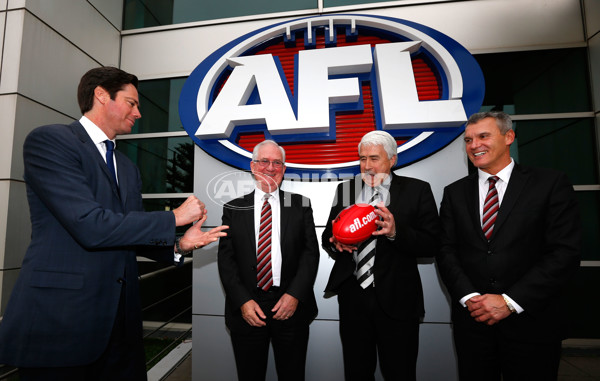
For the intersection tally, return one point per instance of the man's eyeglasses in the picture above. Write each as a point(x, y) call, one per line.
point(264, 163)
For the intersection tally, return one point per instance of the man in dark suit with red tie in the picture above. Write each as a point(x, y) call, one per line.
point(381, 305)
point(268, 265)
point(75, 312)
point(511, 241)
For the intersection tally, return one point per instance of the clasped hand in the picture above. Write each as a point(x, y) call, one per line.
point(488, 308)
point(284, 309)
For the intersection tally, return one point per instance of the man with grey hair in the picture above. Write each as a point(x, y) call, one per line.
point(510, 243)
point(378, 285)
point(268, 265)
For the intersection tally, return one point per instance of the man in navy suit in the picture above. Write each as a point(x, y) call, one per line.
point(511, 241)
point(75, 313)
point(268, 281)
point(381, 305)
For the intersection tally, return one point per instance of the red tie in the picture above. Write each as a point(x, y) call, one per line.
point(490, 208)
point(264, 277)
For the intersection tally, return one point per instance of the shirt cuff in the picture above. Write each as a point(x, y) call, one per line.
point(464, 299)
point(514, 304)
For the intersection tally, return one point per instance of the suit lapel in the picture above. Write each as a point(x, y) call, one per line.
point(472, 201)
point(247, 217)
point(284, 214)
point(93, 153)
point(516, 184)
point(394, 193)
point(124, 178)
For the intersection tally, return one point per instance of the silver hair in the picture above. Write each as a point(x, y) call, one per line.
point(381, 138)
point(503, 120)
point(268, 141)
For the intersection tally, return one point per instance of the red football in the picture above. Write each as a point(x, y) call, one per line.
point(355, 224)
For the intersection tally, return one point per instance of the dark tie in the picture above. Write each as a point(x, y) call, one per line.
point(490, 208)
point(264, 276)
point(366, 255)
point(110, 149)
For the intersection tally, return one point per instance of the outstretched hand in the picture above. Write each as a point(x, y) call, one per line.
point(195, 238)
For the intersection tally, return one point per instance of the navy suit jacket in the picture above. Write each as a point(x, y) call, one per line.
point(533, 251)
point(299, 254)
point(397, 281)
point(85, 237)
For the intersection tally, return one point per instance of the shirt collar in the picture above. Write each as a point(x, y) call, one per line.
point(259, 194)
point(504, 174)
point(96, 134)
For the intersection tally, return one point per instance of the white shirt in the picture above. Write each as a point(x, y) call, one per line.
point(501, 185)
point(98, 137)
point(275, 230)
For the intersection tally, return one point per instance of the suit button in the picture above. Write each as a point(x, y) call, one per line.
point(121, 280)
point(490, 252)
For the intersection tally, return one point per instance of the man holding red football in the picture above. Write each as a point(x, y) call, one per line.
point(377, 281)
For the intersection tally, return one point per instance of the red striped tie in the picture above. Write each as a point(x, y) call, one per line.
point(264, 277)
point(490, 208)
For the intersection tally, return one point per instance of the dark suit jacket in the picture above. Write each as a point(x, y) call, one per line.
point(397, 281)
point(299, 251)
point(82, 251)
point(533, 251)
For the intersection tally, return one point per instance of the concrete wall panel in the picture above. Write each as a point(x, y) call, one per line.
point(88, 30)
point(30, 115)
point(8, 107)
point(111, 9)
point(11, 53)
point(51, 67)
point(592, 16)
point(499, 25)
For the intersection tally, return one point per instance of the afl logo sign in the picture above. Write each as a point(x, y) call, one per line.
point(316, 85)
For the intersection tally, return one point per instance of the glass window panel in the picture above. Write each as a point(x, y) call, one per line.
point(159, 105)
point(166, 164)
point(589, 204)
point(536, 82)
point(146, 13)
point(564, 144)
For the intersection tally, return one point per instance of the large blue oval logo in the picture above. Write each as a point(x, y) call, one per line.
point(316, 85)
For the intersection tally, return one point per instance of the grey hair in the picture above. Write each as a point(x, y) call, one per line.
point(381, 138)
point(503, 120)
point(268, 141)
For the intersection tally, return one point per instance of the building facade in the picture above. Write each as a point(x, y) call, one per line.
point(540, 60)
